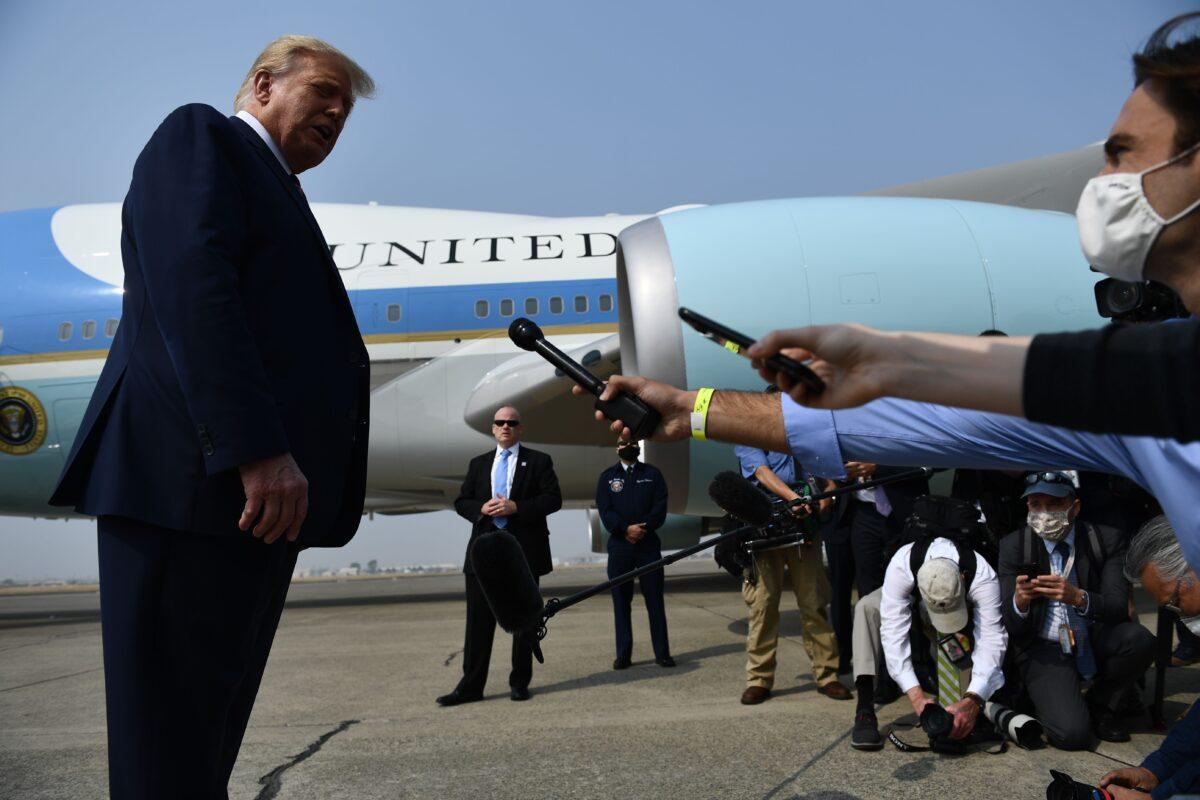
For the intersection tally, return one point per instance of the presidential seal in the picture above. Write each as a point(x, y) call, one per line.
point(616, 484)
point(22, 421)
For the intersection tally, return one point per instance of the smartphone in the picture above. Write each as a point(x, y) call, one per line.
point(738, 343)
point(1030, 570)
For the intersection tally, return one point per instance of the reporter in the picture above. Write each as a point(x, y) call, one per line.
point(1137, 221)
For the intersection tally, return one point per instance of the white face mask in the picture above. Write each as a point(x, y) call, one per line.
point(1118, 226)
point(1050, 525)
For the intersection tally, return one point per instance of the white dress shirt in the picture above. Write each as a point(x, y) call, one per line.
point(513, 457)
point(253, 122)
point(896, 610)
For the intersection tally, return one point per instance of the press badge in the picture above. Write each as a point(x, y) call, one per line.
point(1066, 640)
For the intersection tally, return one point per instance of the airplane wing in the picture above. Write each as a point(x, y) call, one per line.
point(1051, 183)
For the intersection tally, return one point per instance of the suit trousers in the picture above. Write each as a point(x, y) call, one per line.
point(477, 648)
point(871, 534)
point(811, 587)
point(840, 555)
point(1123, 653)
point(622, 561)
point(187, 623)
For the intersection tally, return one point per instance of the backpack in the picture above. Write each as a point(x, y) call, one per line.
point(936, 517)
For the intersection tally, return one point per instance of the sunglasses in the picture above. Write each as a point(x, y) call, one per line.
point(506, 423)
point(1048, 477)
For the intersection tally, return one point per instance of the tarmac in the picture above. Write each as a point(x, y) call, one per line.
point(347, 708)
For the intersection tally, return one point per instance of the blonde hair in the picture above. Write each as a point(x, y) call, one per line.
point(279, 56)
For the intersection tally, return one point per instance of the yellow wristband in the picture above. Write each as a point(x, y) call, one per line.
point(700, 413)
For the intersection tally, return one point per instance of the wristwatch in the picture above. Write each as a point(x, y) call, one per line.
point(1083, 600)
point(975, 698)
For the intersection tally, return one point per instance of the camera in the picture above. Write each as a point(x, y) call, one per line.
point(1064, 787)
point(783, 529)
point(936, 721)
point(1141, 301)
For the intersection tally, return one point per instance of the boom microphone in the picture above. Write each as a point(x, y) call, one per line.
point(740, 498)
point(640, 418)
point(508, 585)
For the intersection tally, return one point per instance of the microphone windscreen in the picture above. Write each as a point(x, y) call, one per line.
point(507, 582)
point(524, 333)
point(740, 497)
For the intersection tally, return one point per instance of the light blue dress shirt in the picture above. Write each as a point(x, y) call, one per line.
point(751, 458)
point(898, 432)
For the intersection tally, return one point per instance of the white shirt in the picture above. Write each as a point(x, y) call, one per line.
point(253, 122)
point(513, 457)
point(895, 610)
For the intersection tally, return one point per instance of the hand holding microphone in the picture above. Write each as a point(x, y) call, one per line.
point(635, 416)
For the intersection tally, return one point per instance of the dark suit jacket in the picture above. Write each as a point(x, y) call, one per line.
point(901, 494)
point(534, 490)
point(641, 497)
point(237, 342)
point(1104, 582)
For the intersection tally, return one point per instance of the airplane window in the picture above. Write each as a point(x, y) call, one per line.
point(481, 308)
point(506, 307)
point(110, 328)
point(64, 331)
point(531, 306)
point(581, 304)
point(88, 329)
point(606, 302)
point(393, 312)
point(556, 305)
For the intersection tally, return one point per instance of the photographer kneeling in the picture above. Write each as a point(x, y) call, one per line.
point(1174, 768)
point(957, 596)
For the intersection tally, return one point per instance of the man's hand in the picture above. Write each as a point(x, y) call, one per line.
point(801, 510)
point(276, 496)
point(635, 533)
point(675, 406)
point(919, 699)
point(498, 507)
point(859, 469)
point(1121, 793)
point(1056, 587)
point(965, 712)
point(1130, 778)
point(1024, 594)
point(851, 359)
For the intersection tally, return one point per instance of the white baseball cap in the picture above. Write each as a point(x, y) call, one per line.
point(943, 593)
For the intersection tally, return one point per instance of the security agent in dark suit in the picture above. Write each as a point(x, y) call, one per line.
point(632, 500)
point(511, 488)
point(1070, 622)
point(228, 428)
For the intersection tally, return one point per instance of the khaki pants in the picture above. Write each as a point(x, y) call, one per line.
point(811, 587)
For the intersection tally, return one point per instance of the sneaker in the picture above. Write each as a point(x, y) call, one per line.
point(866, 732)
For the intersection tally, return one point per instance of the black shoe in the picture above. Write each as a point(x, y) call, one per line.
point(667, 661)
point(866, 732)
point(457, 698)
point(520, 693)
point(1110, 728)
point(621, 663)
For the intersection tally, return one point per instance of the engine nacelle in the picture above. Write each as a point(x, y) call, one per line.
point(892, 263)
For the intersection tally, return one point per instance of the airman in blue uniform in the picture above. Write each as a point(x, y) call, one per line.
point(632, 500)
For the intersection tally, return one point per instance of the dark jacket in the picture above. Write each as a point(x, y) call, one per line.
point(1108, 591)
point(1139, 380)
point(237, 342)
point(626, 498)
point(1176, 763)
point(534, 490)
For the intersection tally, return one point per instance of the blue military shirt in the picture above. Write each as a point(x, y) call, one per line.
point(626, 497)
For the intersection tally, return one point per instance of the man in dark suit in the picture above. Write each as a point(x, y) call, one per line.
point(511, 488)
point(228, 429)
point(1065, 602)
point(631, 498)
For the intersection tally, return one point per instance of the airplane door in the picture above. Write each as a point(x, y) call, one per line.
point(380, 300)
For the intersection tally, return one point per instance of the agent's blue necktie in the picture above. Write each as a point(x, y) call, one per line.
point(500, 486)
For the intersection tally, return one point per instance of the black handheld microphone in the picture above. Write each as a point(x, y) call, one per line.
point(640, 418)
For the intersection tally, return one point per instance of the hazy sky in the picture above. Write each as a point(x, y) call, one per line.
point(564, 108)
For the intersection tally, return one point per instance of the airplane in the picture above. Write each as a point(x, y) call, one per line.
point(434, 291)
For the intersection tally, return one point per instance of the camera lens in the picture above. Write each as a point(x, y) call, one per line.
point(1121, 297)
